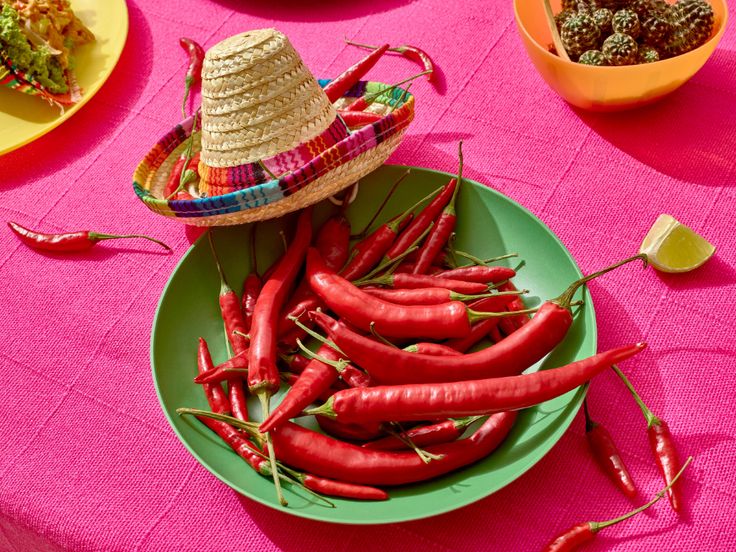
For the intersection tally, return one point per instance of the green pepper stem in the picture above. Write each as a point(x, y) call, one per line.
point(401, 435)
point(462, 423)
point(323, 410)
point(224, 287)
point(265, 400)
point(99, 237)
point(389, 265)
point(648, 414)
point(596, 526)
point(315, 335)
point(395, 224)
point(589, 423)
point(338, 365)
point(187, 175)
point(379, 337)
point(465, 298)
point(381, 207)
point(475, 316)
point(396, 49)
point(369, 98)
point(483, 262)
point(241, 334)
point(564, 299)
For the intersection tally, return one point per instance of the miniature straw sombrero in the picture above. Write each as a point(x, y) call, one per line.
point(265, 115)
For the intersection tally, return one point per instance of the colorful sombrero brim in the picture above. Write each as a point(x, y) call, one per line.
point(338, 167)
point(12, 77)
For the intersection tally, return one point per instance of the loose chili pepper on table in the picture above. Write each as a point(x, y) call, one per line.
point(327, 457)
point(662, 444)
point(421, 401)
point(409, 52)
point(263, 375)
point(70, 242)
point(194, 71)
point(350, 77)
point(583, 533)
point(606, 454)
point(512, 355)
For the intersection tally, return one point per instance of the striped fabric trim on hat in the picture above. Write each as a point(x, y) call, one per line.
point(355, 144)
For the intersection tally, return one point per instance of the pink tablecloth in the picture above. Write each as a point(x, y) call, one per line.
point(87, 460)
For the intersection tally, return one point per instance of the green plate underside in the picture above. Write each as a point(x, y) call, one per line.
point(489, 224)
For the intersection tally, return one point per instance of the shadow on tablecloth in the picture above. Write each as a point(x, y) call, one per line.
point(96, 120)
point(689, 135)
point(325, 10)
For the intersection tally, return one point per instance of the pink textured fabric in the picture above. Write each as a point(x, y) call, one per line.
point(87, 460)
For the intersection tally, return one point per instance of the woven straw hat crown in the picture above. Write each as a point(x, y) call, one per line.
point(258, 100)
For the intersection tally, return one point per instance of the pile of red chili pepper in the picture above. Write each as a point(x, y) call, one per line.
point(397, 395)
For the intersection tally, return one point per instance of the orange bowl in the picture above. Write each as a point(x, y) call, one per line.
point(609, 88)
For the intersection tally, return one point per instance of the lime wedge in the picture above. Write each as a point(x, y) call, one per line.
point(674, 247)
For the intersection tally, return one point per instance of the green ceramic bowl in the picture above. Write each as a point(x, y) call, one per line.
point(489, 224)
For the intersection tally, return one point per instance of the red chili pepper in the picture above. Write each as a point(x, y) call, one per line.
point(291, 379)
point(368, 252)
point(607, 456)
point(354, 119)
point(172, 184)
point(215, 395)
point(316, 378)
point(421, 222)
point(409, 52)
point(263, 378)
point(232, 316)
point(336, 89)
point(481, 274)
point(479, 330)
point(369, 313)
point(238, 443)
point(70, 241)
point(220, 372)
point(421, 401)
point(512, 323)
point(510, 356)
point(432, 296)
point(419, 281)
point(194, 71)
point(582, 533)
point(349, 432)
point(331, 487)
point(428, 348)
point(494, 335)
point(662, 445)
point(252, 284)
point(443, 228)
point(424, 436)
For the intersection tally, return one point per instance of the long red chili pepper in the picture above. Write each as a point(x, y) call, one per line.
point(368, 252)
point(662, 444)
point(328, 457)
point(409, 52)
point(443, 228)
point(433, 296)
point(349, 432)
point(263, 374)
point(233, 367)
point(421, 222)
point(350, 77)
point(235, 328)
point(512, 323)
point(369, 313)
point(428, 348)
point(353, 119)
point(316, 378)
point(252, 283)
point(194, 71)
point(482, 274)
point(418, 281)
point(215, 395)
point(330, 487)
point(583, 533)
point(421, 401)
point(424, 436)
point(606, 454)
point(70, 241)
point(512, 355)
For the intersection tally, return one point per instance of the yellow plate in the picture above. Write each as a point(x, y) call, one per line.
point(24, 118)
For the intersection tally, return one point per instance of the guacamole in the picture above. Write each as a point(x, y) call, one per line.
point(36, 62)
